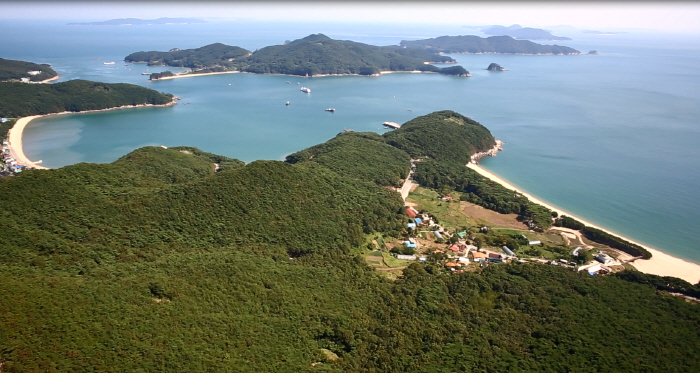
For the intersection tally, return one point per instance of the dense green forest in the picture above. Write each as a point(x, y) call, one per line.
point(492, 44)
point(362, 155)
point(313, 55)
point(443, 135)
point(216, 54)
point(156, 262)
point(15, 70)
point(20, 99)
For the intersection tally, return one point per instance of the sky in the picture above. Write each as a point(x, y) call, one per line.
point(677, 16)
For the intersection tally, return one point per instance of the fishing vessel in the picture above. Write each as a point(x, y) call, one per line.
point(305, 90)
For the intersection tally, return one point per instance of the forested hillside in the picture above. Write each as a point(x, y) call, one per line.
point(20, 99)
point(443, 135)
point(16, 70)
point(364, 156)
point(313, 55)
point(491, 44)
point(319, 54)
point(156, 262)
point(216, 54)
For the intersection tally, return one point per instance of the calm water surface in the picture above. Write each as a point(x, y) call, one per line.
point(611, 138)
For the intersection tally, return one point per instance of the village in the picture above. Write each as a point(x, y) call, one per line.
point(467, 243)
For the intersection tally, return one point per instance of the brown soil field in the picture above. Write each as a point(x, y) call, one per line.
point(492, 218)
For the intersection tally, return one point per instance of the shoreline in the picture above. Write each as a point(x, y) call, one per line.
point(14, 136)
point(177, 76)
point(661, 263)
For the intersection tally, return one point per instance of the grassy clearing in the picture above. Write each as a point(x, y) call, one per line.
point(449, 214)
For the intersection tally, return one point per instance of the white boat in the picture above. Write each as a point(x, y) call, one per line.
point(145, 73)
point(108, 63)
point(332, 110)
point(287, 103)
point(305, 90)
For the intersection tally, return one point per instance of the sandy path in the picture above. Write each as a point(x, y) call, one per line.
point(661, 264)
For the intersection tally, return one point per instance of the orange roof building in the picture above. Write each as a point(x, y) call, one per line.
point(479, 255)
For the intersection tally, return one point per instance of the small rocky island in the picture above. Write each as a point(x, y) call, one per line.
point(496, 67)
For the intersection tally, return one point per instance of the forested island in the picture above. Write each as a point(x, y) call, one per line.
point(160, 261)
point(19, 99)
point(493, 44)
point(519, 32)
point(13, 70)
point(313, 55)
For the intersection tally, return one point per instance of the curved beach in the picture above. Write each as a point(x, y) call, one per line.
point(15, 140)
point(661, 264)
point(15, 133)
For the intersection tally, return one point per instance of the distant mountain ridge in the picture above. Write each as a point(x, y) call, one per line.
point(138, 21)
point(519, 32)
point(492, 44)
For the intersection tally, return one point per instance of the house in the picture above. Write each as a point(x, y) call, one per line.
point(411, 225)
point(422, 259)
point(604, 258)
point(534, 243)
point(406, 257)
point(410, 244)
point(463, 259)
point(454, 248)
point(478, 255)
point(452, 265)
point(411, 213)
point(418, 220)
point(495, 260)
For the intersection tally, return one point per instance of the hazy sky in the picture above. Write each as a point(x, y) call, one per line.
point(674, 16)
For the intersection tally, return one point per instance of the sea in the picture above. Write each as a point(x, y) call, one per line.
point(612, 137)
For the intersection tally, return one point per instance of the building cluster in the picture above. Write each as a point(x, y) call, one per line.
point(460, 249)
point(9, 165)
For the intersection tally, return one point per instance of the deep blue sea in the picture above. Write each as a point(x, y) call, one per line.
point(612, 138)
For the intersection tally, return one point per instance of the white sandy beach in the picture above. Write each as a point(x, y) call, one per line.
point(15, 133)
point(177, 76)
point(15, 140)
point(661, 264)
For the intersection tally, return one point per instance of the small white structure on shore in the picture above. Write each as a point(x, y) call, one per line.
point(406, 257)
point(604, 258)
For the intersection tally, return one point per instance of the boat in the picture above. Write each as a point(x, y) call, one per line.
point(392, 125)
point(287, 103)
point(332, 110)
point(108, 63)
point(145, 73)
point(305, 90)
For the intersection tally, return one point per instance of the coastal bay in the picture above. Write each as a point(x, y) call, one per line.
point(588, 115)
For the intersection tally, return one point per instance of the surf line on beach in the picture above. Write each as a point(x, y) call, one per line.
point(15, 133)
point(660, 263)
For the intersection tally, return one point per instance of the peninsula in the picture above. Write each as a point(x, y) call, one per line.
point(28, 72)
point(174, 259)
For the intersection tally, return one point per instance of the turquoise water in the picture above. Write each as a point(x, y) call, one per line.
point(611, 138)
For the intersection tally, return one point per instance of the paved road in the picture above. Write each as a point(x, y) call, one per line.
point(408, 183)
